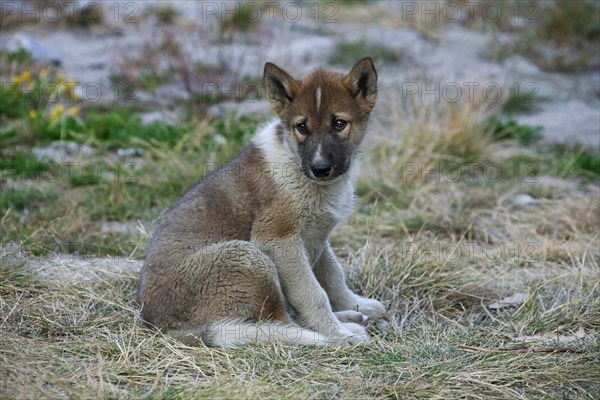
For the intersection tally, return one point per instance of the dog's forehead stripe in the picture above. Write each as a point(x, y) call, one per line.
point(318, 97)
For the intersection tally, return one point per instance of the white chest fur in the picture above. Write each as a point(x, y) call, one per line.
point(320, 206)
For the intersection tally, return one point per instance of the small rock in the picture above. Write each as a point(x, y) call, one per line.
point(583, 122)
point(260, 107)
point(125, 228)
point(510, 301)
point(522, 200)
point(158, 116)
point(219, 139)
point(63, 150)
point(128, 152)
point(521, 65)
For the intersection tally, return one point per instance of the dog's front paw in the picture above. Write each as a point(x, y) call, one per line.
point(370, 307)
point(357, 334)
point(355, 329)
point(348, 334)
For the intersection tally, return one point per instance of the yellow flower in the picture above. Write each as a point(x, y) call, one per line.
point(44, 72)
point(74, 111)
point(32, 114)
point(57, 112)
point(26, 76)
point(69, 89)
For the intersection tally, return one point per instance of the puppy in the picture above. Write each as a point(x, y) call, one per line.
point(248, 244)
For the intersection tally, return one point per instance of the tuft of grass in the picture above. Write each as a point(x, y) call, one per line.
point(508, 128)
point(520, 102)
point(166, 70)
point(241, 20)
point(426, 139)
point(558, 36)
point(19, 199)
point(22, 165)
point(576, 159)
point(346, 53)
point(567, 23)
point(165, 13)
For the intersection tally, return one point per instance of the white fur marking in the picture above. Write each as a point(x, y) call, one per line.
point(266, 139)
point(318, 97)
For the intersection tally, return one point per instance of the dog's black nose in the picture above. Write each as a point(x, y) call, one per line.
point(321, 169)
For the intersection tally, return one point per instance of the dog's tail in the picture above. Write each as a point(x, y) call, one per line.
point(236, 332)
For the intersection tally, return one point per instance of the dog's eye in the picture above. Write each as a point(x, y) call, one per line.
point(339, 124)
point(301, 128)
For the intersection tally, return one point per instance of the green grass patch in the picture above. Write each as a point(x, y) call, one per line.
point(503, 128)
point(522, 100)
point(174, 158)
point(560, 160)
point(575, 160)
point(111, 130)
point(347, 53)
point(30, 197)
point(120, 129)
point(23, 166)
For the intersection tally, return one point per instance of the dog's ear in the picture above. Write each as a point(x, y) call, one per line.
point(361, 82)
point(281, 87)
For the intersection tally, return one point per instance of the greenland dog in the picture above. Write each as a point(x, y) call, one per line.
point(244, 255)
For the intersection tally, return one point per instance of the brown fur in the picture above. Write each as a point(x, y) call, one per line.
point(211, 213)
